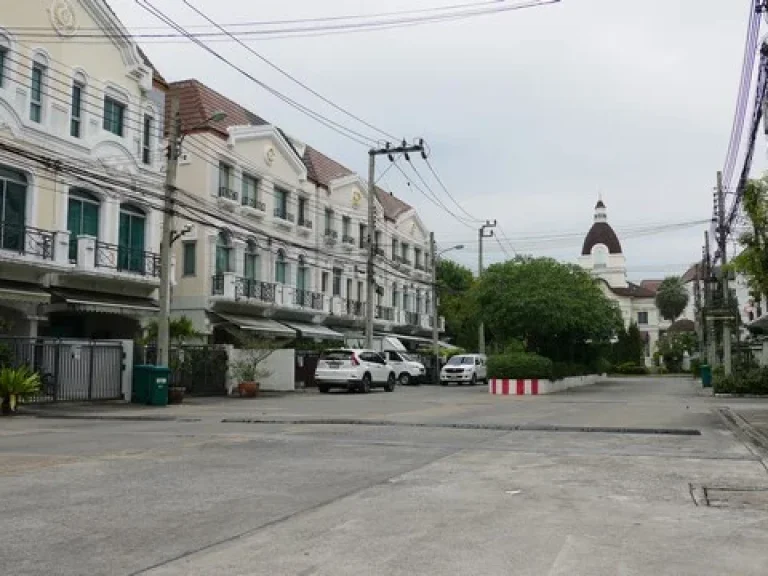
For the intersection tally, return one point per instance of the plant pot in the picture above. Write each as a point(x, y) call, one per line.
point(176, 394)
point(248, 389)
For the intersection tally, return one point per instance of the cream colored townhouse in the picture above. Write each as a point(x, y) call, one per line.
point(81, 173)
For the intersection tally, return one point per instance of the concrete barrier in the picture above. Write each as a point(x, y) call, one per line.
point(535, 387)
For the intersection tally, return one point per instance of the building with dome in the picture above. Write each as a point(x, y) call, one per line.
point(602, 255)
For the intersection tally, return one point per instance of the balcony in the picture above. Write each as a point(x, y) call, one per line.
point(412, 318)
point(330, 236)
point(25, 243)
point(347, 239)
point(307, 299)
point(253, 206)
point(385, 313)
point(354, 308)
point(127, 260)
point(228, 198)
point(420, 266)
point(404, 261)
point(379, 251)
point(284, 218)
point(305, 226)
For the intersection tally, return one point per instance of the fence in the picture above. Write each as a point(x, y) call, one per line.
point(69, 369)
point(200, 370)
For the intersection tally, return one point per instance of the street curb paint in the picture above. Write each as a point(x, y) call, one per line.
point(536, 387)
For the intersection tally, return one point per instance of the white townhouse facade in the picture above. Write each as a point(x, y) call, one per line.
point(275, 234)
point(81, 170)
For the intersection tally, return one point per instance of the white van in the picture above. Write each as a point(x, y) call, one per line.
point(408, 369)
point(465, 369)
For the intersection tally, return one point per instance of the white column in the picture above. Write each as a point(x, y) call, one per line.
point(86, 252)
point(110, 219)
point(62, 207)
point(238, 248)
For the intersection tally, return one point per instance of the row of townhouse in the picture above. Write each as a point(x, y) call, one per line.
point(270, 234)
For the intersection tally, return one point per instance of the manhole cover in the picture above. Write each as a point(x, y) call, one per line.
point(735, 497)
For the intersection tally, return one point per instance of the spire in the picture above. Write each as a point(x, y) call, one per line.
point(600, 213)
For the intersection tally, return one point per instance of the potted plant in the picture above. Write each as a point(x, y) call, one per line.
point(16, 384)
point(248, 374)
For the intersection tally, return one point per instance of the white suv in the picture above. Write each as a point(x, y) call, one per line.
point(408, 371)
point(353, 369)
point(465, 368)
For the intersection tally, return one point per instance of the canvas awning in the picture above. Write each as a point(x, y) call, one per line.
point(263, 326)
point(315, 331)
point(23, 292)
point(85, 301)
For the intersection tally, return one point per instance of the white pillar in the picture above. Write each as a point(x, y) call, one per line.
point(238, 248)
point(110, 219)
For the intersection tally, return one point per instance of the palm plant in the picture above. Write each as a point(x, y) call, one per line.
point(16, 384)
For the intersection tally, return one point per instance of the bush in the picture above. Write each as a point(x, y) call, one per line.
point(562, 370)
point(603, 366)
point(515, 366)
point(630, 368)
point(696, 367)
point(753, 381)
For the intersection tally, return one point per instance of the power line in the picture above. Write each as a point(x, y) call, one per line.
point(445, 189)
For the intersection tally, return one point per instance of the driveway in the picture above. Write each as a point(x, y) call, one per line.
point(633, 476)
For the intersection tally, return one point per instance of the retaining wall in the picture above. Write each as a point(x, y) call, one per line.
point(535, 387)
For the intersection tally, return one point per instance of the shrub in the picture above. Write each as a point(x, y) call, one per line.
point(603, 366)
point(514, 366)
point(695, 367)
point(562, 370)
point(630, 368)
point(16, 384)
point(753, 381)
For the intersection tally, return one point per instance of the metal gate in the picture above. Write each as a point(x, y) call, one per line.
point(306, 364)
point(200, 369)
point(69, 369)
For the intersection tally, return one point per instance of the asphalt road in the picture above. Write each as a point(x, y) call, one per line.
point(427, 481)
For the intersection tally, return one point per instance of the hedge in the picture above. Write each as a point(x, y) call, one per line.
point(754, 381)
point(630, 368)
point(514, 366)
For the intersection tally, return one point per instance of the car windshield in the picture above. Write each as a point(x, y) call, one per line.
point(407, 357)
point(459, 360)
point(336, 355)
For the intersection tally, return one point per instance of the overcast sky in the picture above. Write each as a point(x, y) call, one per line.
point(529, 114)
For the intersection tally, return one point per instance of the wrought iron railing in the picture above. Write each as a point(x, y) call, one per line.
point(419, 266)
point(354, 308)
point(228, 193)
point(331, 234)
point(307, 299)
point(412, 318)
point(305, 223)
point(385, 313)
point(405, 261)
point(347, 239)
point(379, 251)
point(283, 215)
point(254, 203)
point(126, 259)
point(217, 284)
point(254, 289)
point(26, 240)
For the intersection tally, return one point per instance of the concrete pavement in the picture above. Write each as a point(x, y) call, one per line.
point(202, 496)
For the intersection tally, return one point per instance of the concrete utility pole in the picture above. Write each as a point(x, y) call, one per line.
point(481, 234)
point(709, 323)
point(435, 331)
point(722, 239)
point(163, 328)
point(404, 148)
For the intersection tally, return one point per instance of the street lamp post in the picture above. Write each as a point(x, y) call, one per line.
point(435, 331)
point(174, 149)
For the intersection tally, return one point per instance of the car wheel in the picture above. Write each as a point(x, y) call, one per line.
point(390, 387)
point(474, 380)
point(323, 389)
point(365, 384)
point(405, 379)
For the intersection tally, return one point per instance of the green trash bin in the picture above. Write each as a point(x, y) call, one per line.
point(150, 385)
point(706, 375)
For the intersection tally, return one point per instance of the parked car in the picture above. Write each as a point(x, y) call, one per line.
point(465, 368)
point(354, 369)
point(408, 370)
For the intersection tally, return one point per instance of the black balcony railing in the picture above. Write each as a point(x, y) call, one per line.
point(347, 239)
point(255, 289)
point(331, 234)
point(126, 259)
point(385, 313)
point(412, 318)
point(217, 284)
point(283, 215)
point(254, 203)
point(419, 266)
point(26, 240)
point(307, 299)
point(405, 261)
point(228, 193)
point(379, 251)
point(354, 308)
point(305, 223)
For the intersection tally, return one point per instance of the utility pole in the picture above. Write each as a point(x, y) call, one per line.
point(482, 234)
point(709, 322)
point(435, 332)
point(404, 148)
point(722, 237)
point(163, 335)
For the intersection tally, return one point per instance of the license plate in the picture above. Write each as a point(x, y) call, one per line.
point(334, 365)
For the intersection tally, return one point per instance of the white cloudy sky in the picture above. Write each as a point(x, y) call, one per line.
point(529, 114)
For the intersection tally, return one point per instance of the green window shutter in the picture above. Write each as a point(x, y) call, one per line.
point(74, 218)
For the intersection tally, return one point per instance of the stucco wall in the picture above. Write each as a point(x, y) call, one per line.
point(281, 364)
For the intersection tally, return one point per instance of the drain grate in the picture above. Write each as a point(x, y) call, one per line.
point(733, 497)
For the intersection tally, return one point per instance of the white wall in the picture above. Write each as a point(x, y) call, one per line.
point(281, 364)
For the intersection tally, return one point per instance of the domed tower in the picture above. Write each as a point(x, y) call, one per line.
point(601, 252)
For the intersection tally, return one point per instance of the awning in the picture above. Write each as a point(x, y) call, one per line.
point(85, 301)
point(315, 331)
point(23, 292)
point(405, 338)
point(261, 325)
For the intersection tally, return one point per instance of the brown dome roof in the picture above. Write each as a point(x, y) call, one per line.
point(601, 233)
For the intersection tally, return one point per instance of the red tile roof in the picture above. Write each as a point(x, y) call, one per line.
point(652, 285)
point(633, 291)
point(321, 169)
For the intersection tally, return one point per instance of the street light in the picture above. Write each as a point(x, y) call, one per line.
point(435, 335)
point(174, 149)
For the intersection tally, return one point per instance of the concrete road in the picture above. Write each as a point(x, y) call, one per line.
point(666, 490)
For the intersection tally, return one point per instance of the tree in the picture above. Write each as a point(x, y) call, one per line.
point(555, 309)
point(179, 329)
point(671, 298)
point(454, 283)
point(673, 346)
point(752, 261)
point(629, 347)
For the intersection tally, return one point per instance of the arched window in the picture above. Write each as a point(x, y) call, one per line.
point(13, 207)
point(82, 217)
point(37, 87)
point(252, 268)
point(223, 253)
point(301, 275)
point(130, 253)
point(281, 268)
point(76, 108)
point(600, 256)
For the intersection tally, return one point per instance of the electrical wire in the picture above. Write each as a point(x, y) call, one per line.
point(448, 193)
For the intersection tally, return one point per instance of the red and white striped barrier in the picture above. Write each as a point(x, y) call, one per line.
point(535, 387)
point(507, 387)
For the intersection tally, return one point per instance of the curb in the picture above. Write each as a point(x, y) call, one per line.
point(745, 431)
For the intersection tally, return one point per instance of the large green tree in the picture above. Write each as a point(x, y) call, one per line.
point(454, 283)
point(671, 298)
point(554, 308)
point(752, 261)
